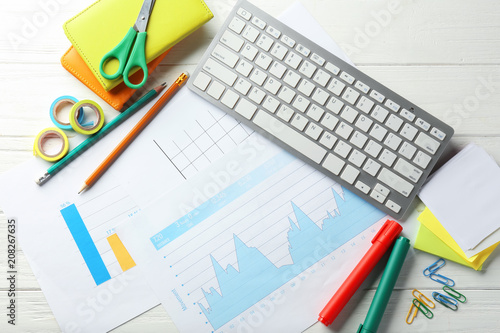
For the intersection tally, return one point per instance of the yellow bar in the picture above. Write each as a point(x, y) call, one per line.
point(124, 259)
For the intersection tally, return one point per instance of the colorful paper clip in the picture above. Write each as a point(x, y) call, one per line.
point(423, 299)
point(455, 294)
point(413, 313)
point(434, 267)
point(447, 301)
point(425, 310)
point(442, 279)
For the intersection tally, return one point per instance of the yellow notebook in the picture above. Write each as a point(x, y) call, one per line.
point(100, 27)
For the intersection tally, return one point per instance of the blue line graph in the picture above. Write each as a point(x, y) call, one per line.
point(257, 276)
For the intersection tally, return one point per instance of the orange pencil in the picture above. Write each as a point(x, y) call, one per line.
point(101, 169)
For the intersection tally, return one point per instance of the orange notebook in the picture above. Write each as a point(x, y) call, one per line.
point(116, 97)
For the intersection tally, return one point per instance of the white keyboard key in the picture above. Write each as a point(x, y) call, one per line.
point(257, 95)
point(364, 123)
point(265, 42)
point(317, 59)
point(387, 157)
point(272, 85)
point(303, 50)
point(357, 158)
point(271, 104)
point(349, 114)
point(273, 32)
point(294, 139)
point(242, 86)
point(219, 71)
point(243, 13)
point(408, 170)
point(307, 69)
point(258, 77)
point(250, 33)
point(336, 87)
point(320, 96)
point(373, 148)
point(292, 78)
point(334, 105)
point(407, 150)
point(286, 94)
point(258, 22)
point(409, 132)
point(362, 187)
point(285, 113)
point(350, 95)
point(362, 86)
point(358, 139)
point(225, 56)
point(314, 131)
point(378, 196)
point(332, 68)
point(344, 130)
point(328, 140)
point(329, 121)
point(407, 115)
point(288, 41)
point(382, 190)
point(293, 60)
point(301, 103)
point(236, 25)
point(423, 124)
point(249, 52)
point(346, 77)
point(202, 81)
point(394, 122)
point(365, 104)
point(393, 141)
point(427, 143)
point(230, 98)
point(315, 112)
point(422, 159)
point(396, 182)
point(306, 87)
point(245, 108)
point(342, 149)
point(371, 167)
point(379, 113)
point(377, 96)
point(321, 77)
point(334, 164)
point(244, 68)
point(216, 89)
point(378, 132)
point(299, 122)
point(438, 133)
point(350, 174)
point(263, 61)
point(393, 206)
point(279, 51)
point(231, 40)
point(277, 69)
point(392, 105)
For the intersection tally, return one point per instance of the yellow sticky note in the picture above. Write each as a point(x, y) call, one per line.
point(434, 238)
point(124, 259)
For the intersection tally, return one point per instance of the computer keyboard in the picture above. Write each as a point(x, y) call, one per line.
point(321, 109)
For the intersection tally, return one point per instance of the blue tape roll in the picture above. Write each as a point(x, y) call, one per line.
point(55, 107)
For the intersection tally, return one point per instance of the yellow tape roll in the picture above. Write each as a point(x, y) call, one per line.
point(87, 130)
point(51, 133)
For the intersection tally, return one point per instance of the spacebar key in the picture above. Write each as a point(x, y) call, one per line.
point(286, 134)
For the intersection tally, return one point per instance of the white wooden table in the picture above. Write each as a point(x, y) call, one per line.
point(443, 55)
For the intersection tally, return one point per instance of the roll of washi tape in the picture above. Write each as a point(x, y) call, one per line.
point(41, 139)
point(56, 108)
point(96, 125)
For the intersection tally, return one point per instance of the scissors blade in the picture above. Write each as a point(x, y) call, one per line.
point(142, 20)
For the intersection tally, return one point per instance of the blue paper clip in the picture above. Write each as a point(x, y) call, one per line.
point(434, 267)
point(445, 300)
point(455, 294)
point(442, 279)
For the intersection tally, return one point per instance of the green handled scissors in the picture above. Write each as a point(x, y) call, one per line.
point(130, 57)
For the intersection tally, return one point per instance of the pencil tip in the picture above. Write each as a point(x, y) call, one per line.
point(83, 189)
point(160, 87)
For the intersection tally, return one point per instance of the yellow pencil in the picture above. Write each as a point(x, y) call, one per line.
point(145, 120)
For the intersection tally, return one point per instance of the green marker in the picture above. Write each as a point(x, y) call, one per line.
point(99, 135)
point(385, 287)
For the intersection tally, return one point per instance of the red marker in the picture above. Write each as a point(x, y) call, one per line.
point(381, 243)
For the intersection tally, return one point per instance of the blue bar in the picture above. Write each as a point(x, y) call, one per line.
point(85, 244)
